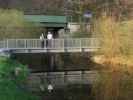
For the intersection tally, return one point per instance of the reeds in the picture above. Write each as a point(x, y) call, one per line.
point(115, 80)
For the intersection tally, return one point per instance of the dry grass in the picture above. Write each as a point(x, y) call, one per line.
point(115, 81)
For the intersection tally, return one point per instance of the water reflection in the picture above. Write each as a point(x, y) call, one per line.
point(70, 92)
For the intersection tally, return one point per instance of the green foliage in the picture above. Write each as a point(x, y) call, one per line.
point(13, 25)
point(12, 82)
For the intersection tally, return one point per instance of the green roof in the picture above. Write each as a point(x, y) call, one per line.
point(52, 24)
point(46, 19)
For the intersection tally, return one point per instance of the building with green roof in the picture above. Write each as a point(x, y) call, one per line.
point(50, 23)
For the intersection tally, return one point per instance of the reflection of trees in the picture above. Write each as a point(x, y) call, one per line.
point(77, 61)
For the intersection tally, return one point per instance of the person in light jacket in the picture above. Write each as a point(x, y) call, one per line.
point(49, 39)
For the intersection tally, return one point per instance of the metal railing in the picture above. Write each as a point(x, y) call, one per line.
point(70, 43)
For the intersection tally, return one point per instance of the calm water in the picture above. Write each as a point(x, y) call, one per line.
point(71, 92)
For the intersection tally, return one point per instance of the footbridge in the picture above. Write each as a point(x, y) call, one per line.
point(54, 45)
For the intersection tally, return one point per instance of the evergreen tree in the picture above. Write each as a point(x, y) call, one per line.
point(12, 78)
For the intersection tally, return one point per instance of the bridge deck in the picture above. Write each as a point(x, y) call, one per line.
point(54, 45)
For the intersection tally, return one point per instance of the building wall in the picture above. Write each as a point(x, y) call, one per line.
point(75, 27)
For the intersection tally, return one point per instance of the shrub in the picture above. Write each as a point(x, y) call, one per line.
point(13, 25)
point(12, 78)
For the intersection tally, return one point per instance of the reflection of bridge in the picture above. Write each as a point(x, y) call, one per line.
point(59, 79)
point(55, 45)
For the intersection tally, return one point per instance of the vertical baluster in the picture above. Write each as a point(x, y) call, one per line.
point(16, 42)
point(71, 43)
point(30, 46)
point(25, 45)
point(86, 43)
point(74, 43)
point(93, 42)
point(45, 43)
point(73, 46)
point(7, 44)
point(35, 43)
point(30, 43)
point(52, 43)
point(60, 43)
point(63, 44)
point(68, 43)
point(1, 44)
point(80, 44)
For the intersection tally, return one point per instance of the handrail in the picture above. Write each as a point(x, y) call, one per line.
point(67, 43)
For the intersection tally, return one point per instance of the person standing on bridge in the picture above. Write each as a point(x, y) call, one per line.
point(49, 39)
point(42, 40)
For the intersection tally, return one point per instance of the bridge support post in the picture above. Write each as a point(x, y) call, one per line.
point(52, 62)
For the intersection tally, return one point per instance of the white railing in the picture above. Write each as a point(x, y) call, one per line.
point(70, 43)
